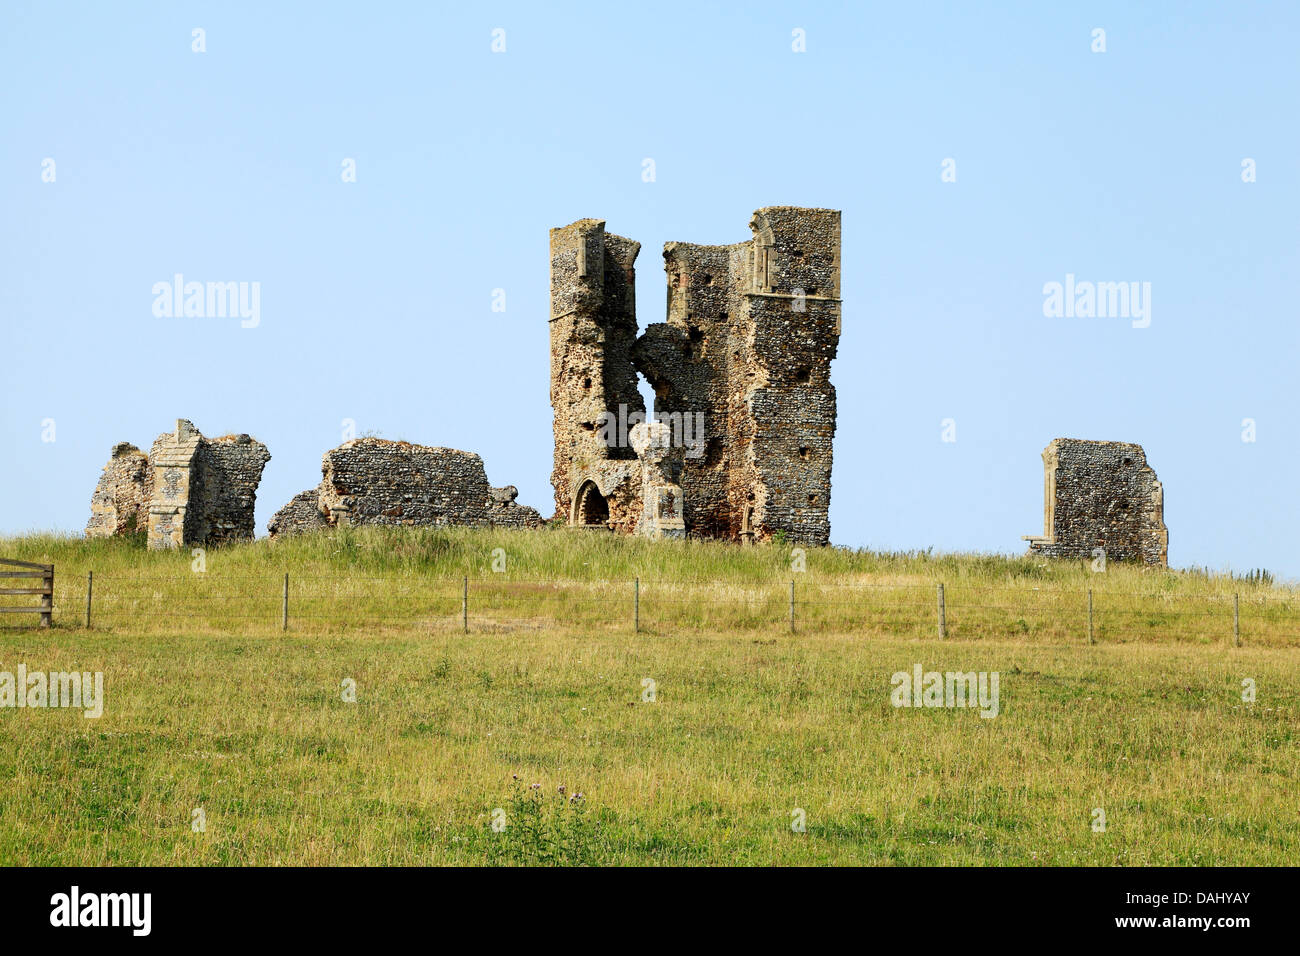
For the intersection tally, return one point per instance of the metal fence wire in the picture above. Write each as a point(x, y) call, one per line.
point(350, 600)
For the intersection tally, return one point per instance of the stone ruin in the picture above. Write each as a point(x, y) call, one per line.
point(189, 489)
point(372, 481)
point(120, 504)
point(740, 371)
point(738, 446)
point(1101, 494)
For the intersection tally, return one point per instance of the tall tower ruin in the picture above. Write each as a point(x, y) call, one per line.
point(751, 332)
point(742, 362)
point(593, 328)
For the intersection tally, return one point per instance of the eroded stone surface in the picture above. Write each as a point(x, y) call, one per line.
point(302, 513)
point(662, 514)
point(120, 504)
point(746, 349)
point(189, 490)
point(1101, 494)
point(373, 481)
point(204, 490)
point(592, 330)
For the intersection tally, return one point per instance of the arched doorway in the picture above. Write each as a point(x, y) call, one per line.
point(590, 509)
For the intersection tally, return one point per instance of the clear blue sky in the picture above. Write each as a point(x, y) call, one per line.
point(376, 295)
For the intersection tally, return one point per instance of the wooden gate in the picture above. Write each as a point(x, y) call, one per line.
point(46, 591)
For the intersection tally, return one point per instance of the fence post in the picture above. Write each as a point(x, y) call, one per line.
point(636, 605)
point(47, 599)
point(791, 607)
point(1090, 639)
point(464, 605)
point(90, 588)
point(943, 616)
point(284, 610)
point(1236, 620)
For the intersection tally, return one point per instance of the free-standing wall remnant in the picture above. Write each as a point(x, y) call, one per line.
point(189, 490)
point(204, 490)
point(373, 481)
point(120, 504)
point(1101, 494)
point(740, 369)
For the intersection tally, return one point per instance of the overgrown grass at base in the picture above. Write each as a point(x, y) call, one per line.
point(413, 578)
point(749, 723)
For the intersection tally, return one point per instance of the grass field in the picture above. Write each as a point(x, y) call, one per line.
point(211, 706)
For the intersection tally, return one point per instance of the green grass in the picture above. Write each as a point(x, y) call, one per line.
point(211, 705)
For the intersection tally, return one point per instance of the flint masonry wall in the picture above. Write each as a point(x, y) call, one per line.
point(203, 490)
point(688, 361)
point(301, 514)
point(1101, 494)
point(372, 481)
point(232, 468)
point(592, 330)
point(750, 334)
point(120, 504)
point(189, 490)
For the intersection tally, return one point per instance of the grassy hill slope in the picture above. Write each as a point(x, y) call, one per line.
point(742, 729)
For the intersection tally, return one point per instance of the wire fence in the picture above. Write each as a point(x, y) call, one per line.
point(346, 600)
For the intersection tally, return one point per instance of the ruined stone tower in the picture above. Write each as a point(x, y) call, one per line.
point(751, 332)
point(593, 327)
point(741, 366)
point(1101, 494)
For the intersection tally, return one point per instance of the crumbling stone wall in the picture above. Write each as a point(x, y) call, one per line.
point(662, 512)
point(120, 504)
point(301, 514)
point(608, 496)
point(592, 330)
point(373, 481)
point(176, 477)
point(189, 490)
point(688, 362)
point(503, 511)
point(1101, 494)
point(750, 334)
point(231, 468)
point(204, 490)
